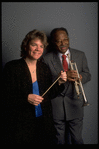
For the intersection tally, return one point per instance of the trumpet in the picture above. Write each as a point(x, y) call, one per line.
point(78, 83)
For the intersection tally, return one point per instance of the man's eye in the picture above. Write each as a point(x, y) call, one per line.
point(58, 41)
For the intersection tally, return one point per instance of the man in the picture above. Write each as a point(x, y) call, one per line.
point(67, 108)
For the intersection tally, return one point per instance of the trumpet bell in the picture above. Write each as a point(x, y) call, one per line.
point(86, 104)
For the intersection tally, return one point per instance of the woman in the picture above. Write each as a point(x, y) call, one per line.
point(27, 115)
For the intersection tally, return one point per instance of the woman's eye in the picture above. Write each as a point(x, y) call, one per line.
point(42, 46)
point(33, 45)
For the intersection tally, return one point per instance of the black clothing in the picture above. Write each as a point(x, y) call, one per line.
point(19, 121)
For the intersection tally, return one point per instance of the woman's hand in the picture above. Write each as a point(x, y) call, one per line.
point(34, 99)
point(63, 78)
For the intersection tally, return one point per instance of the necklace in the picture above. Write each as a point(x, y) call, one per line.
point(33, 71)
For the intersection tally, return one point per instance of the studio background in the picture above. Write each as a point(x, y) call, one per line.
point(81, 21)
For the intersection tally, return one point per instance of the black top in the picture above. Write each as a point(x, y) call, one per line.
point(18, 114)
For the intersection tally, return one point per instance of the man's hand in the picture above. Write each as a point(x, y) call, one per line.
point(73, 76)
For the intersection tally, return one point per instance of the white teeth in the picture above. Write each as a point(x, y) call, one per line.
point(35, 53)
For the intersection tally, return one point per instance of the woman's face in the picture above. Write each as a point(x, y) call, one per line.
point(35, 49)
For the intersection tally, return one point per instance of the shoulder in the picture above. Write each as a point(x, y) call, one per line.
point(48, 55)
point(76, 51)
point(14, 64)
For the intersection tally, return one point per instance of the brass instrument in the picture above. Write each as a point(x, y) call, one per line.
point(78, 83)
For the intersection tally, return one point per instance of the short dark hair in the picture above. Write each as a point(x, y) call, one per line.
point(53, 32)
point(30, 36)
point(52, 46)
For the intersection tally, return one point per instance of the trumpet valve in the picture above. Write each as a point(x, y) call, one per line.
point(77, 88)
point(78, 83)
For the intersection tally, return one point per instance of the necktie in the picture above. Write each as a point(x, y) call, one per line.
point(65, 64)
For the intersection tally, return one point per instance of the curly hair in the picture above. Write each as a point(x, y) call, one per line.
point(30, 36)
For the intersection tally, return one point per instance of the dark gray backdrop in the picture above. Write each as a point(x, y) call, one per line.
point(81, 21)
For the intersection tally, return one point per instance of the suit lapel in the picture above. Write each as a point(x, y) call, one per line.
point(58, 67)
point(56, 63)
point(73, 55)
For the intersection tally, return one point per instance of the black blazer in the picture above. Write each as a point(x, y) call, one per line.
point(18, 114)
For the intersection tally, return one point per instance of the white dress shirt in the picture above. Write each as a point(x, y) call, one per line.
point(66, 53)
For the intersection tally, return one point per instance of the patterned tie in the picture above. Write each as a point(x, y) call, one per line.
point(65, 64)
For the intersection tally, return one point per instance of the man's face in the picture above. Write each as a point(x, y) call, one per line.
point(61, 41)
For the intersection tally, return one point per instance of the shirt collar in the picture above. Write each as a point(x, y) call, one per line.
point(66, 53)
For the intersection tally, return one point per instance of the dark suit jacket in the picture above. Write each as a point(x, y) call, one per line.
point(18, 114)
point(67, 104)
